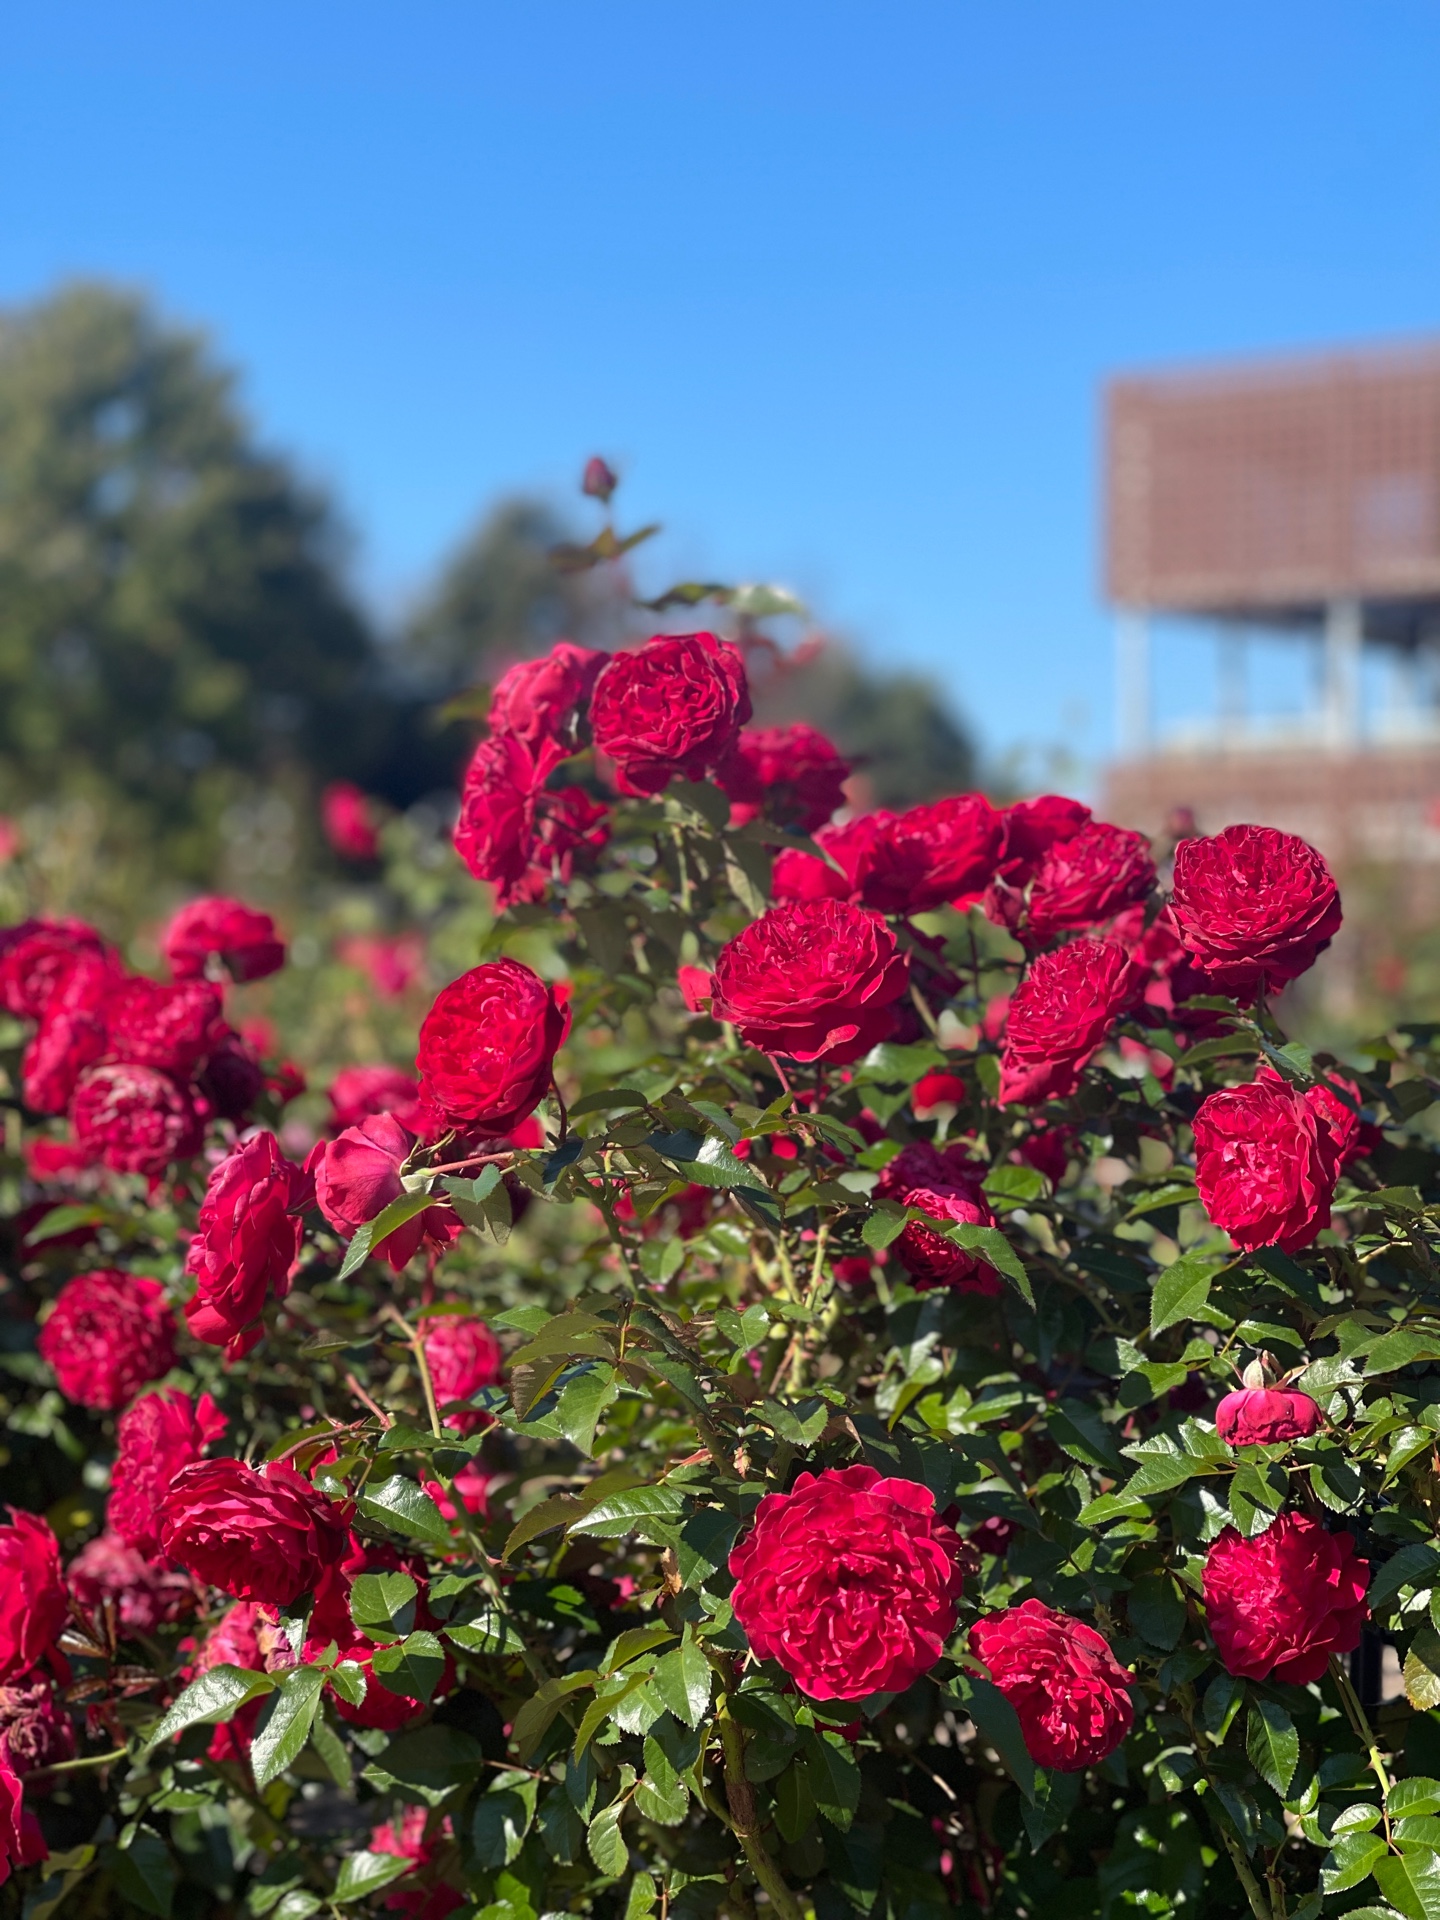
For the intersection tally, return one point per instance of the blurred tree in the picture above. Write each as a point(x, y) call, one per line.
point(174, 631)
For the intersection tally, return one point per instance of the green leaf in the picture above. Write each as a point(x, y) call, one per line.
point(1411, 1884)
point(211, 1698)
point(502, 1819)
point(145, 1872)
point(606, 1843)
point(581, 1403)
point(992, 1244)
point(611, 1100)
point(643, 1897)
point(1412, 1566)
point(398, 1503)
point(365, 1872)
point(834, 1777)
point(997, 1722)
point(682, 1679)
point(1422, 1670)
point(1350, 1860)
point(1419, 1794)
point(795, 1807)
point(536, 1714)
point(666, 1804)
point(1079, 1429)
point(369, 1238)
point(432, 1761)
point(618, 1513)
point(285, 1723)
point(882, 1226)
point(632, 1643)
point(332, 1751)
point(382, 1605)
point(413, 1667)
point(1272, 1744)
point(1157, 1609)
point(1181, 1291)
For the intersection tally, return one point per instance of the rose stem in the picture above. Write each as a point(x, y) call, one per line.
point(1355, 1712)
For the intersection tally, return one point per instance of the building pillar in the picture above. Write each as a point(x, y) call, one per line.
point(1234, 685)
point(1132, 685)
point(1344, 634)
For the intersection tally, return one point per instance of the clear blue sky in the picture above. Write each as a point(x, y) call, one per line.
point(834, 284)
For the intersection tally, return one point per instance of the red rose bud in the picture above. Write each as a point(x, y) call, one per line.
point(1282, 1603)
point(1070, 1694)
point(813, 979)
point(256, 1533)
point(36, 956)
point(247, 1239)
point(849, 1581)
point(1087, 879)
point(488, 1045)
point(1254, 906)
point(242, 939)
point(133, 1119)
point(672, 708)
point(598, 481)
point(1266, 1164)
point(541, 702)
point(108, 1335)
point(1060, 1015)
point(160, 1434)
point(33, 1603)
point(793, 775)
point(1261, 1413)
point(357, 1177)
point(936, 1093)
point(463, 1356)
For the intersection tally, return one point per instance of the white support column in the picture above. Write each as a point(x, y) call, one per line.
point(1344, 634)
point(1132, 685)
point(1234, 685)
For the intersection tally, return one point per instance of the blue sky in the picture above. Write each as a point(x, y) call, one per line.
point(834, 284)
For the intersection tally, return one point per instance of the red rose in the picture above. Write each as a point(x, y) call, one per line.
point(673, 707)
point(133, 1119)
point(932, 1091)
point(1266, 1163)
point(247, 1239)
point(22, 1844)
point(540, 702)
point(463, 1355)
point(406, 1837)
point(232, 1078)
point(1263, 1416)
point(1060, 1014)
point(1254, 906)
point(37, 955)
point(161, 1433)
point(33, 1606)
point(1049, 1150)
point(488, 1045)
point(256, 1533)
point(242, 938)
point(108, 1335)
point(358, 1175)
point(813, 979)
point(1353, 1137)
point(145, 1593)
point(495, 832)
point(1087, 879)
point(357, 1093)
point(234, 1641)
point(1032, 828)
point(150, 1024)
point(1070, 1694)
point(71, 1035)
point(1283, 1602)
point(849, 1581)
point(901, 862)
point(348, 820)
point(793, 774)
point(34, 1727)
point(946, 1185)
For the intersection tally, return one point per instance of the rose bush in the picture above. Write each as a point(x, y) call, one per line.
point(720, 1398)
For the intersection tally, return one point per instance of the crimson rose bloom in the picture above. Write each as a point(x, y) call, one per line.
point(849, 1581)
point(1254, 906)
point(540, 702)
point(146, 1593)
point(672, 707)
point(346, 816)
point(153, 1025)
point(256, 1533)
point(1261, 1416)
point(1282, 1603)
point(488, 1045)
point(357, 1093)
point(37, 955)
point(495, 832)
point(357, 1177)
point(813, 979)
point(463, 1355)
point(33, 1606)
point(947, 1185)
point(901, 862)
point(233, 1078)
point(1086, 879)
point(1266, 1163)
point(1059, 1015)
point(71, 1035)
point(1032, 828)
point(161, 1433)
point(244, 939)
point(1070, 1694)
point(406, 1836)
point(246, 1241)
point(108, 1335)
point(792, 773)
point(133, 1119)
point(22, 1844)
point(235, 1641)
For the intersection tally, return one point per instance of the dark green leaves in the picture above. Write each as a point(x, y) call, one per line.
point(1182, 1291)
point(1272, 1744)
point(398, 1503)
point(285, 1723)
point(210, 1698)
point(382, 1605)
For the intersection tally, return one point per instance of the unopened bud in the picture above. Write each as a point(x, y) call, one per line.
point(1262, 1372)
point(598, 480)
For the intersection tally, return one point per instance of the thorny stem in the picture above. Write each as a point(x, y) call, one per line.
point(1254, 1892)
point(386, 1420)
point(417, 1347)
point(1355, 1713)
point(744, 1821)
